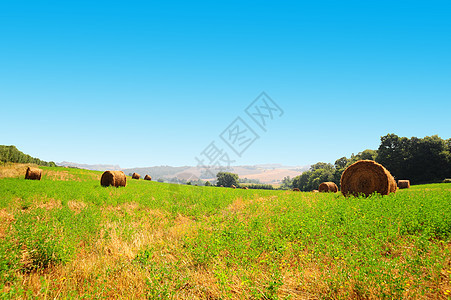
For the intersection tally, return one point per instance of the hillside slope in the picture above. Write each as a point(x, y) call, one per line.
point(13, 155)
point(67, 237)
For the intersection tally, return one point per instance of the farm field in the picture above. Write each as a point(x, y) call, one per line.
point(67, 237)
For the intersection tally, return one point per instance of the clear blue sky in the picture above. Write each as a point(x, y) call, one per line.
point(137, 83)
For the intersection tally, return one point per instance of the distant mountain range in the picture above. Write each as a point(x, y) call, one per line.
point(265, 173)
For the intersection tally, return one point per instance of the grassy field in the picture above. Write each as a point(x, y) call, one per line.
point(67, 237)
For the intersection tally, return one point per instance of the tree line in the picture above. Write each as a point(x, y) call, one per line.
point(13, 155)
point(420, 160)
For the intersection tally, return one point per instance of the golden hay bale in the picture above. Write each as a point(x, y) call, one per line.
point(245, 188)
point(315, 191)
point(366, 177)
point(221, 185)
point(393, 185)
point(233, 186)
point(296, 190)
point(114, 178)
point(33, 173)
point(136, 176)
point(326, 187)
point(147, 177)
point(404, 184)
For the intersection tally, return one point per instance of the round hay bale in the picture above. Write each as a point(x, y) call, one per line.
point(148, 177)
point(135, 176)
point(315, 191)
point(245, 188)
point(296, 190)
point(233, 186)
point(366, 177)
point(114, 178)
point(221, 185)
point(326, 187)
point(393, 185)
point(33, 173)
point(404, 184)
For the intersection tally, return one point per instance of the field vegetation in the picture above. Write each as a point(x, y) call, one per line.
point(67, 237)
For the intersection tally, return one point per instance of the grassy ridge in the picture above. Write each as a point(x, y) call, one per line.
point(67, 236)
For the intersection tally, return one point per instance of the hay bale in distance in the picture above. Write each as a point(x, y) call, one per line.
point(245, 188)
point(366, 177)
point(326, 187)
point(315, 191)
point(33, 173)
point(114, 178)
point(404, 184)
point(148, 177)
point(136, 176)
point(233, 186)
point(296, 190)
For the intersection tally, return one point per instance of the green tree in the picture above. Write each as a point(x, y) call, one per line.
point(321, 165)
point(393, 153)
point(427, 159)
point(341, 163)
point(301, 181)
point(367, 154)
point(227, 179)
point(207, 183)
point(287, 183)
point(420, 160)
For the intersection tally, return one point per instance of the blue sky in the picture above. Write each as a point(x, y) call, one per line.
point(138, 83)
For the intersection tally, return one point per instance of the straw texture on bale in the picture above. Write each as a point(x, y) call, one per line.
point(245, 188)
point(233, 186)
point(147, 177)
point(136, 176)
point(404, 184)
point(114, 178)
point(328, 187)
point(33, 173)
point(366, 177)
point(315, 191)
point(296, 190)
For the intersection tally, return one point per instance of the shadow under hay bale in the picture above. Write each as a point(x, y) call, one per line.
point(404, 184)
point(113, 178)
point(136, 176)
point(366, 177)
point(296, 190)
point(326, 187)
point(33, 173)
point(148, 177)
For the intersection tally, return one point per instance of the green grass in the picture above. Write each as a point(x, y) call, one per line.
point(66, 236)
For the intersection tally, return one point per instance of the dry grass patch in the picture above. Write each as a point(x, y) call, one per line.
point(76, 206)
point(91, 276)
point(60, 176)
point(182, 226)
point(129, 208)
point(13, 170)
point(50, 204)
point(6, 219)
point(237, 205)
